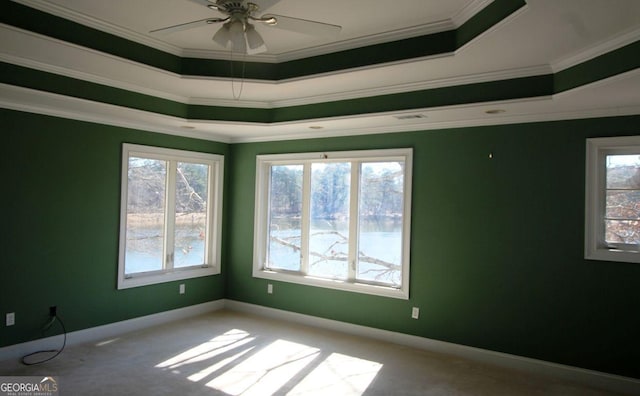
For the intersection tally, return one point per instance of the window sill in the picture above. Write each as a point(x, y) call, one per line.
point(363, 288)
point(608, 254)
point(162, 277)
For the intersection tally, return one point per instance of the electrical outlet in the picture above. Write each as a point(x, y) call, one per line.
point(53, 310)
point(270, 288)
point(11, 319)
point(415, 312)
point(182, 288)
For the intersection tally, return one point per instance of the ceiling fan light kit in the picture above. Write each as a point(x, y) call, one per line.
point(240, 37)
point(254, 40)
point(222, 36)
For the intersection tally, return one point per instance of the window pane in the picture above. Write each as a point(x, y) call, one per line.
point(145, 215)
point(623, 172)
point(329, 225)
point(380, 222)
point(285, 204)
point(622, 207)
point(191, 214)
point(622, 231)
point(623, 204)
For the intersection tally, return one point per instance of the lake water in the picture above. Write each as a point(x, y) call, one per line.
point(379, 240)
point(380, 249)
point(144, 248)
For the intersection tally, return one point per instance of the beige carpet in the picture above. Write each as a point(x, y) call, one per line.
point(229, 353)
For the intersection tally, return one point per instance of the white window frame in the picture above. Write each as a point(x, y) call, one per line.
point(263, 166)
point(214, 214)
point(597, 150)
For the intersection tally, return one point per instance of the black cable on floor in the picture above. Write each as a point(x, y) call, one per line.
point(56, 351)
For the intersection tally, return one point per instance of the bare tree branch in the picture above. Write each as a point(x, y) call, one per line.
point(192, 191)
point(338, 256)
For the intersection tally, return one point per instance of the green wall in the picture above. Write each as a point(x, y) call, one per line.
point(61, 199)
point(496, 247)
point(497, 244)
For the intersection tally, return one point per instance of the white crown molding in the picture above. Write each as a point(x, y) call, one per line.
point(33, 101)
point(46, 103)
point(427, 124)
point(601, 48)
point(418, 86)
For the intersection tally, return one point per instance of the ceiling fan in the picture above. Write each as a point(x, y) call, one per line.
point(238, 32)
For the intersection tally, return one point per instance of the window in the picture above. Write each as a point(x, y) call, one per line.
point(338, 220)
point(613, 199)
point(170, 218)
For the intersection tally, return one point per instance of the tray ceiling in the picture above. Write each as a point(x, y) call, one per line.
point(538, 38)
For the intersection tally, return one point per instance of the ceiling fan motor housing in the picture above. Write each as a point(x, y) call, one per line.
point(236, 7)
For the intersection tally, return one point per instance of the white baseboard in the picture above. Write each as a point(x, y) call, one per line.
point(596, 379)
point(109, 330)
point(591, 378)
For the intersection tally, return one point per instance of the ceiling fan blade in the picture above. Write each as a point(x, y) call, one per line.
point(304, 26)
point(188, 25)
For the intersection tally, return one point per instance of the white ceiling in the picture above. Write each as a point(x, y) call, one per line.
point(545, 36)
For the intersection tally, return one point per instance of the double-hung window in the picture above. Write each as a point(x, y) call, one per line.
point(613, 199)
point(337, 220)
point(170, 220)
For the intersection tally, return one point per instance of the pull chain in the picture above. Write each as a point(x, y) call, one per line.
point(233, 87)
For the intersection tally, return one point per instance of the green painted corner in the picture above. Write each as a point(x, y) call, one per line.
point(62, 226)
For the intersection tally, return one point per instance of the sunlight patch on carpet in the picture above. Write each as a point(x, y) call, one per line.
point(266, 371)
point(338, 374)
point(230, 340)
